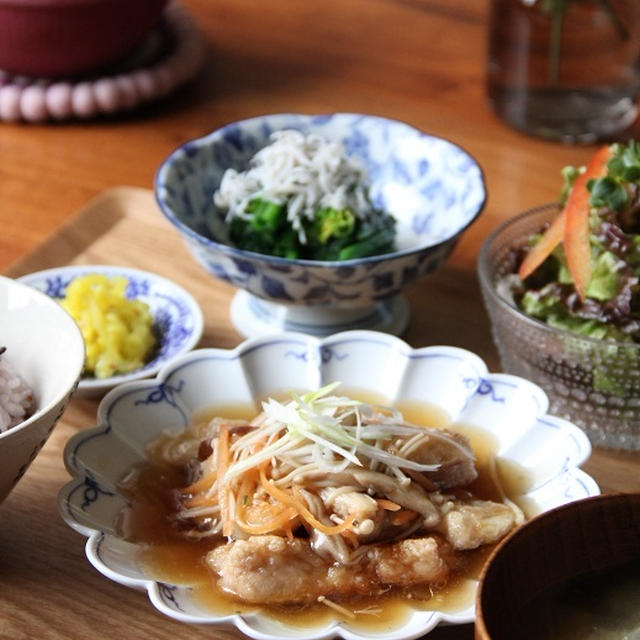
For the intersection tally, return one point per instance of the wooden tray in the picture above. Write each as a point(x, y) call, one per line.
point(123, 226)
point(49, 590)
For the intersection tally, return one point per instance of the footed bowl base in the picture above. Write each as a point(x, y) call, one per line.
point(253, 316)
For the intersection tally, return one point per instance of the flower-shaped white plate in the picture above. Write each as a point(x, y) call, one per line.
point(511, 409)
point(176, 315)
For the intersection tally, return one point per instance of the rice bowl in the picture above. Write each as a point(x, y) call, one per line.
point(16, 396)
point(46, 347)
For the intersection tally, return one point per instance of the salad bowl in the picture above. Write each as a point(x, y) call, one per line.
point(433, 188)
point(593, 382)
point(177, 318)
point(510, 411)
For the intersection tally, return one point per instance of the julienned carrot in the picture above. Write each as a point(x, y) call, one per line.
point(288, 529)
point(204, 483)
point(315, 523)
point(297, 502)
point(558, 229)
point(223, 490)
point(281, 516)
point(278, 522)
point(577, 247)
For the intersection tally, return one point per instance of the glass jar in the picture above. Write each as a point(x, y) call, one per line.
point(566, 70)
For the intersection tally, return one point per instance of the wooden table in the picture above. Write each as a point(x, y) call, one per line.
point(421, 61)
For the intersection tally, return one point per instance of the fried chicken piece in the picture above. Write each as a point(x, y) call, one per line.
point(273, 570)
point(409, 562)
point(469, 525)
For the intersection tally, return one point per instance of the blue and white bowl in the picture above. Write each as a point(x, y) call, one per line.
point(177, 317)
point(433, 188)
point(507, 411)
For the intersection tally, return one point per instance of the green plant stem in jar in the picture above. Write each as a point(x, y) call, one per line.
point(565, 70)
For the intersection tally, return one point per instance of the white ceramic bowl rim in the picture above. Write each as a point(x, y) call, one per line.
point(76, 357)
point(218, 134)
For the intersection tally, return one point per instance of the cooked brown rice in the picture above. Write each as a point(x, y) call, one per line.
point(16, 396)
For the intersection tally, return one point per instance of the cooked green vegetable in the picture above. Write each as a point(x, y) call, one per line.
point(331, 235)
point(266, 231)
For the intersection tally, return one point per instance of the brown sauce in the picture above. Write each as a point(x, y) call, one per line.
point(170, 558)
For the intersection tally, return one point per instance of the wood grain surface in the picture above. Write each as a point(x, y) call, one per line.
point(421, 61)
point(52, 591)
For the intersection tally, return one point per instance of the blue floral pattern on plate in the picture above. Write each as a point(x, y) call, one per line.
point(177, 318)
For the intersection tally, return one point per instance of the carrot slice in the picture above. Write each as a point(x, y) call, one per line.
point(540, 251)
point(577, 247)
point(388, 505)
point(552, 237)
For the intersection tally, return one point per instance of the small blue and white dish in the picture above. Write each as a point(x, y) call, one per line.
point(433, 188)
point(177, 317)
point(506, 413)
